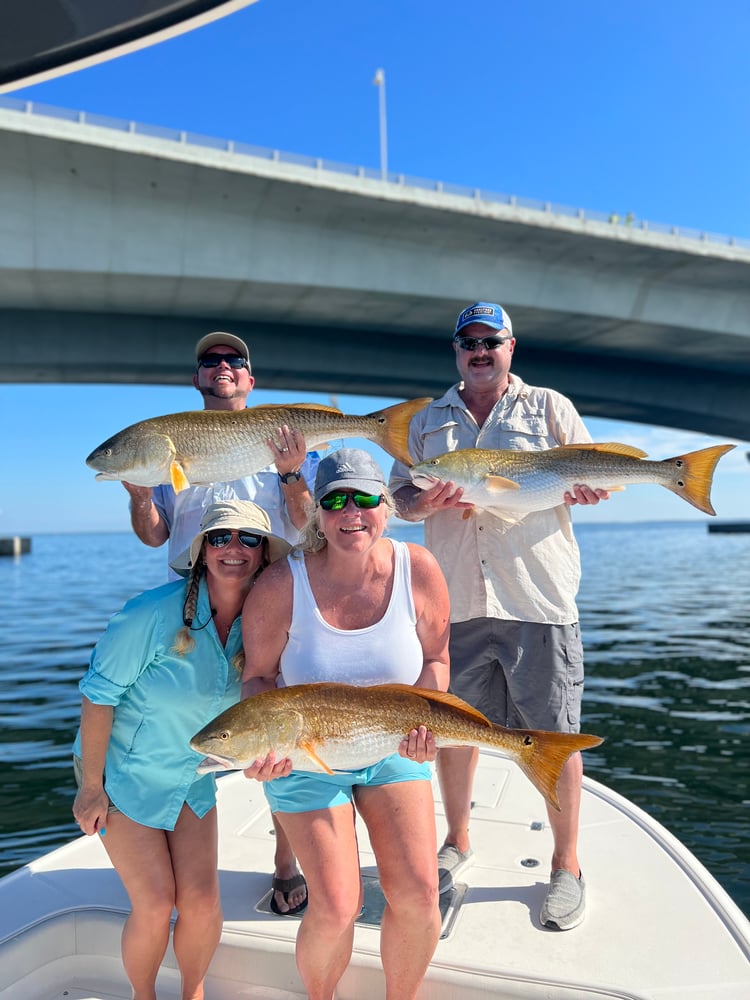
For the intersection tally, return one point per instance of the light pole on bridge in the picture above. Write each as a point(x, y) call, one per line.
point(379, 82)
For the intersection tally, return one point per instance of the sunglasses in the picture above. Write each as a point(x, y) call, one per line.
point(338, 500)
point(488, 343)
point(214, 360)
point(219, 538)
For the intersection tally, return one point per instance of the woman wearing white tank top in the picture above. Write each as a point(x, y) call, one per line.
point(352, 606)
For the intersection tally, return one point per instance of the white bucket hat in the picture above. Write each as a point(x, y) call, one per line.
point(235, 515)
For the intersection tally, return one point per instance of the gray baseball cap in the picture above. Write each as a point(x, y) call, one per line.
point(225, 340)
point(348, 469)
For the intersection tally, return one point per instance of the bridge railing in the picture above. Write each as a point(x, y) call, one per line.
point(403, 180)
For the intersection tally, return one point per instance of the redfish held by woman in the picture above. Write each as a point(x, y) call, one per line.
point(334, 727)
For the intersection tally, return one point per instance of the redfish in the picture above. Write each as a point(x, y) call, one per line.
point(511, 483)
point(339, 727)
point(214, 446)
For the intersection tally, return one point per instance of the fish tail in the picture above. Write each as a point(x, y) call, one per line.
point(692, 475)
point(393, 428)
point(543, 756)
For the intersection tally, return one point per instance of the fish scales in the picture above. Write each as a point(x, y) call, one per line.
point(329, 727)
point(208, 446)
point(514, 483)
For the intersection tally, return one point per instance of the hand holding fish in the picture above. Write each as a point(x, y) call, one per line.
point(267, 768)
point(139, 494)
point(584, 495)
point(422, 503)
point(419, 745)
point(291, 450)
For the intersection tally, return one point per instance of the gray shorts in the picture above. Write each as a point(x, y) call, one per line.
point(523, 675)
point(78, 773)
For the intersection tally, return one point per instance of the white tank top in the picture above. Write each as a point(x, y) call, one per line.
point(388, 652)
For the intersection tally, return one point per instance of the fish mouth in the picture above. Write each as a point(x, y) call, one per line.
point(423, 480)
point(214, 762)
point(104, 475)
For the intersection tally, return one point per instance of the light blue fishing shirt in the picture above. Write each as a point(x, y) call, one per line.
point(160, 702)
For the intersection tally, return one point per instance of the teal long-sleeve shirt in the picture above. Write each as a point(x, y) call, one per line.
point(160, 701)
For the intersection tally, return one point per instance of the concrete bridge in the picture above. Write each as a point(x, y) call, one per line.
point(120, 245)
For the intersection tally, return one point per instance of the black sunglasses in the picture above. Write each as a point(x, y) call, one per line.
point(338, 500)
point(218, 538)
point(214, 360)
point(488, 343)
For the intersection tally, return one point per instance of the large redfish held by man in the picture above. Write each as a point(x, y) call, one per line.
point(511, 483)
point(340, 727)
point(215, 446)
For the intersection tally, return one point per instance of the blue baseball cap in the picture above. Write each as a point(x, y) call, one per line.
point(489, 313)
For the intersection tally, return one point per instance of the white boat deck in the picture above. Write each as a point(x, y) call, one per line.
point(658, 926)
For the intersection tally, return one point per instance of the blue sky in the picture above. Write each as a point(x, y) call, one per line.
point(639, 107)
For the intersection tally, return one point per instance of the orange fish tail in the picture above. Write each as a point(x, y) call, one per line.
point(393, 429)
point(545, 754)
point(693, 475)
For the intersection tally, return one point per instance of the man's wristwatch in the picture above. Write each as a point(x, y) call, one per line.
point(290, 477)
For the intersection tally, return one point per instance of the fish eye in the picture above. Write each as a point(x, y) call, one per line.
point(108, 452)
point(224, 735)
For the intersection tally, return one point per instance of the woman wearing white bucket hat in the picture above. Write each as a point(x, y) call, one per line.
point(167, 664)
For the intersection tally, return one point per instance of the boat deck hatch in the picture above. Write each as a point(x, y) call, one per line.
point(372, 911)
point(371, 914)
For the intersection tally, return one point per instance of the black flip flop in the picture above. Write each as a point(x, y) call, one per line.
point(287, 885)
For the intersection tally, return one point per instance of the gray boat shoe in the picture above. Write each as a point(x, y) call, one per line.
point(451, 862)
point(565, 905)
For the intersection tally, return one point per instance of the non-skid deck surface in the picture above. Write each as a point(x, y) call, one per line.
point(651, 929)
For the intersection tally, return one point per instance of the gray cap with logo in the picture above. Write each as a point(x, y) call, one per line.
point(348, 469)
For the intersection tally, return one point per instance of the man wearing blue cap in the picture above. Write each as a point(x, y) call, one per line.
point(515, 644)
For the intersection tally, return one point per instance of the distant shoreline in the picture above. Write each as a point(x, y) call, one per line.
point(403, 525)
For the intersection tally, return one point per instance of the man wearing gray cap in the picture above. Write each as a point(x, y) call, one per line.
point(224, 378)
point(515, 646)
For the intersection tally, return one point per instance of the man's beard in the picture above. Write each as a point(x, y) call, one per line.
point(212, 390)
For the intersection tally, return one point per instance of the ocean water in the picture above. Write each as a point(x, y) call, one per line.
point(665, 615)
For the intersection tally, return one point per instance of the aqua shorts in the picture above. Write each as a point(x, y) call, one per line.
point(305, 791)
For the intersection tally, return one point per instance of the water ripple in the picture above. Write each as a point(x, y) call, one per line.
point(665, 619)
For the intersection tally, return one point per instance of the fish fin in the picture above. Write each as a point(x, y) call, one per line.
point(314, 407)
point(544, 755)
point(440, 697)
point(177, 477)
point(499, 484)
point(693, 475)
point(308, 748)
point(393, 428)
point(613, 447)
